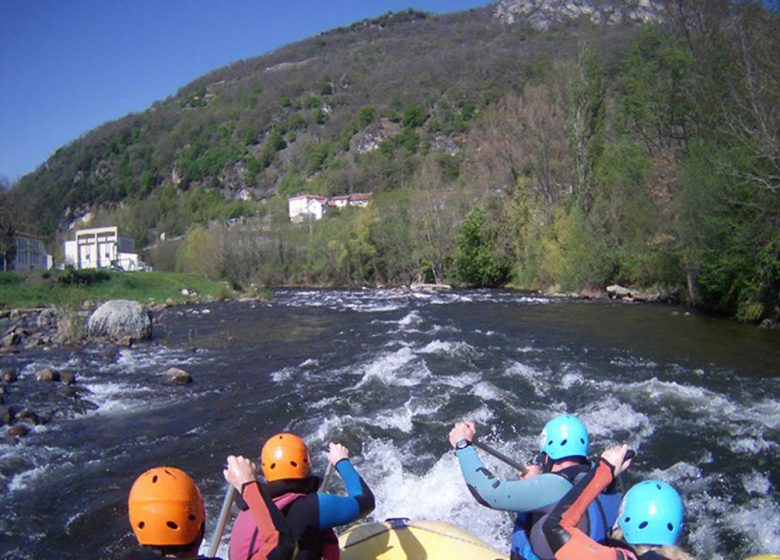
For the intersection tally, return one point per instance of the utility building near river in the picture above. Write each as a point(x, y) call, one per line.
point(101, 248)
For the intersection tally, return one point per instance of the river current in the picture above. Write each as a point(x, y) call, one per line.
point(387, 373)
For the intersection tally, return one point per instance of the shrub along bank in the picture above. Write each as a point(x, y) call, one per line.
point(69, 289)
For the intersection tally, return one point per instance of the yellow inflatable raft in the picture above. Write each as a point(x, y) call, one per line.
point(402, 539)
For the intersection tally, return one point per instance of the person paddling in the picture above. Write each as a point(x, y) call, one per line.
point(563, 457)
point(312, 515)
point(168, 516)
point(648, 526)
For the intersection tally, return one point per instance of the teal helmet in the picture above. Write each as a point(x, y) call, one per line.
point(651, 514)
point(564, 436)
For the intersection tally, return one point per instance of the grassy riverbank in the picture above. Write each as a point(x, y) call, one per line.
point(70, 289)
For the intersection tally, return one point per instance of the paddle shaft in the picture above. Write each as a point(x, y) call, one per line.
point(498, 455)
point(227, 503)
point(326, 479)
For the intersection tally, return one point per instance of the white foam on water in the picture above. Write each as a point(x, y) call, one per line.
point(411, 319)
point(488, 392)
point(756, 484)
point(759, 521)
point(401, 418)
point(750, 445)
point(438, 494)
point(439, 347)
point(117, 398)
point(283, 375)
point(571, 379)
point(460, 381)
point(606, 416)
point(538, 380)
point(311, 362)
point(392, 369)
point(764, 413)
point(26, 479)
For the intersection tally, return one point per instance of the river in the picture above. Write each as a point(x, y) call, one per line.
point(387, 373)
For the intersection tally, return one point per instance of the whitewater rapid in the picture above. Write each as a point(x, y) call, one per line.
point(387, 373)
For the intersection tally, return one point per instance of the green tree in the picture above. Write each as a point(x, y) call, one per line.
point(477, 260)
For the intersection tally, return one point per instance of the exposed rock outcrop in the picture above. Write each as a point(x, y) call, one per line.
point(543, 14)
point(119, 319)
point(370, 139)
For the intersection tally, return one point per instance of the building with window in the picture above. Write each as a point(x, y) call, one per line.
point(101, 248)
point(29, 253)
point(313, 207)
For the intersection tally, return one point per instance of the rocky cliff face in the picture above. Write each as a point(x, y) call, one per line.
point(542, 14)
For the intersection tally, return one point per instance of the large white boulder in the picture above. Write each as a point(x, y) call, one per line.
point(118, 319)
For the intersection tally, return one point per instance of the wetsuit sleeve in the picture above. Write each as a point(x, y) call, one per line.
point(338, 510)
point(515, 495)
point(560, 528)
point(275, 538)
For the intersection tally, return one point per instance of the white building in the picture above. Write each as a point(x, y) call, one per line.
point(314, 207)
point(305, 206)
point(29, 254)
point(101, 248)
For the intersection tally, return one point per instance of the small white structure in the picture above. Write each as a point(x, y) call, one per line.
point(314, 207)
point(101, 248)
point(357, 199)
point(305, 206)
point(29, 254)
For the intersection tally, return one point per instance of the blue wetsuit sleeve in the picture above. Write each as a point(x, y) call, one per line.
point(515, 495)
point(338, 510)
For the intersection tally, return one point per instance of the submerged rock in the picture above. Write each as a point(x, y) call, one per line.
point(47, 375)
point(20, 430)
point(177, 376)
point(7, 415)
point(68, 377)
point(119, 319)
point(9, 375)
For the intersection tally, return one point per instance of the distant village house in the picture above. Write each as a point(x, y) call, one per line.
point(28, 253)
point(101, 248)
point(313, 207)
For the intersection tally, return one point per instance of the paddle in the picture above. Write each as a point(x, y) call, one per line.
point(227, 504)
point(326, 479)
point(498, 455)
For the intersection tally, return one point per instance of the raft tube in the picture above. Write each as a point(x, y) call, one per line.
point(402, 539)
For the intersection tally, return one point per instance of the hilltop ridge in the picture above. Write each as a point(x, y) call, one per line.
point(542, 14)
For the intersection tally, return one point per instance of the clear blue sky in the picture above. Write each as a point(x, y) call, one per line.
point(67, 66)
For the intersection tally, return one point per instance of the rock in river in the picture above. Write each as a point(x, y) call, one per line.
point(118, 319)
point(178, 376)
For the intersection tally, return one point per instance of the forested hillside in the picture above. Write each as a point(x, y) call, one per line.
point(498, 153)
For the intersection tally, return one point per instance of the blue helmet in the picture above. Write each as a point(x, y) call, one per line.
point(651, 514)
point(564, 436)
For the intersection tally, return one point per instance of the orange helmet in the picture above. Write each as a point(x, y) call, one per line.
point(166, 508)
point(285, 456)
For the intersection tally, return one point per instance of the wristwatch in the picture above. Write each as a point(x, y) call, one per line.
point(462, 444)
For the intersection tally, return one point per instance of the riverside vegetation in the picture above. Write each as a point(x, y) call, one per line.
point(498, 154)
point(68, 290)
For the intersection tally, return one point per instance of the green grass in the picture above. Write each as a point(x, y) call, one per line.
point(69, 290)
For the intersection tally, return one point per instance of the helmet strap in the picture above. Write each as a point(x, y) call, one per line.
point(545, 462)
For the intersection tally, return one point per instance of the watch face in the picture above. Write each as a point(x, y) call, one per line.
point(462, 444)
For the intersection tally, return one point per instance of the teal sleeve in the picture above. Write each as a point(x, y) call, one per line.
point(515, 495)
point(338, 510)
